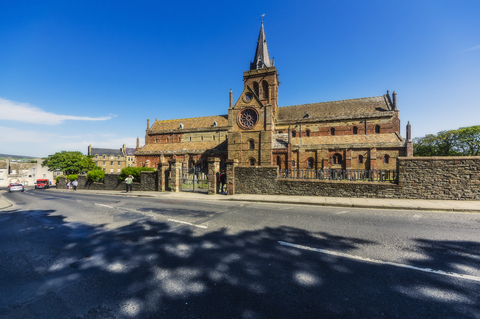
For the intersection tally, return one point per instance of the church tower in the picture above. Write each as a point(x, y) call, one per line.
point(252, 118)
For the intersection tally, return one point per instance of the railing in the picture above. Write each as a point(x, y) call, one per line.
point(341, 175)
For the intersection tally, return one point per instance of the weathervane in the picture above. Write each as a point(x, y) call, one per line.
point(262, 17)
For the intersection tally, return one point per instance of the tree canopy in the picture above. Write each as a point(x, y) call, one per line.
point(69, 162)
point(464, 141)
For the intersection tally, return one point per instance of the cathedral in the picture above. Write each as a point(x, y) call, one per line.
point(360, 134)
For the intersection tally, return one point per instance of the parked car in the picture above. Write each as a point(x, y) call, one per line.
point(15, 187)
point(42, 183)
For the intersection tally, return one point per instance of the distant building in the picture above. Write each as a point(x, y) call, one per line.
point(112, 160)
point(362, 134)
point(23, 171)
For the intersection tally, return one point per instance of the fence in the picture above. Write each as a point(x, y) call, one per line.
point(341, 175)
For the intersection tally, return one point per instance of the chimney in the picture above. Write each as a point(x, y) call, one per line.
point(89, 149)
point(138, 143)
point(394, 100)
point(148, 124)
point(409, 132)
point(231, 98)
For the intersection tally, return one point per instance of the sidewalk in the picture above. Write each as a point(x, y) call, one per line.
point(380, 203)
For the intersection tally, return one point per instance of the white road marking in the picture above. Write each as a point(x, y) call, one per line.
point(103, 205)
point(344, 212)
point(334, 253)
point(179, 221)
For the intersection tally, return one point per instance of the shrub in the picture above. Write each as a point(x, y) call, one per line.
point(96, 175)
point(135, 172)
point(73, 177)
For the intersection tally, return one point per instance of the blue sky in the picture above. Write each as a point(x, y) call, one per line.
point(74, 73)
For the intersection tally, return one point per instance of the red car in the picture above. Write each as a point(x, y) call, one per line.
point(42, 183)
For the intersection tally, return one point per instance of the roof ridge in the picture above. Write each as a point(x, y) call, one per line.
point(191, 118)
point(361, 98)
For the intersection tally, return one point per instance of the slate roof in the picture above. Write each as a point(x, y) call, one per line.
point(107, 151)
point(344, 109)
point(190, 123)
point(185, 147)
point(130, 151)
point(370, 140)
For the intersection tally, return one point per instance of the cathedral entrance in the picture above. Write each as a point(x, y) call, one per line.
point(194, 179)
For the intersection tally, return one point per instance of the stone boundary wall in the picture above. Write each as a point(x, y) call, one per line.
point(148, 182)
point(419, 178)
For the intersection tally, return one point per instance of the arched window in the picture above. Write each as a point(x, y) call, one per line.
point(265, 89)
point(213, 136)
point(294, 134)
point(386, 159)
point(279, 161)
point(256, 88)
point(377, 129)
point(307, 132)
point(294, 165)
point(332, 131)
point(337, 158)
point(251, 144)
point(360, 159)
point(355, 130)
point(310, 163)
point(252, 162)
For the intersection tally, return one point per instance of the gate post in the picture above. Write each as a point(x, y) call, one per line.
point(213, 170)
point(162, 167)
point(231, 164)
point(176, 174)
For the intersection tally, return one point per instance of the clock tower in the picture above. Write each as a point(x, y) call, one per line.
point(252, 118)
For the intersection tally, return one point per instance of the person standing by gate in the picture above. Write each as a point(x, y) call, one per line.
point(223, 180)
point(128, 182)
point(75, 184)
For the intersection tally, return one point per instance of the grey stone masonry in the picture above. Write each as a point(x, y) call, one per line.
point(148, 182)
point(419, 178)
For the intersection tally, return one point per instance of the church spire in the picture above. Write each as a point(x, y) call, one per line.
point(262, 59)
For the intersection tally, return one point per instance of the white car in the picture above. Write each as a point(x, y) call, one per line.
point(15, 187)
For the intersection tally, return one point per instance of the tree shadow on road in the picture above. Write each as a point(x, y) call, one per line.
point(147, 269)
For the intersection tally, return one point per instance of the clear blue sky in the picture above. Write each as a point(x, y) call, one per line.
point(74, 73)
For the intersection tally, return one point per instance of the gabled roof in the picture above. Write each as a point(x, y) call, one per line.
point(369, 140)
point(107, 151)
point(344, 109)
point(190, 123)
point(187, 147)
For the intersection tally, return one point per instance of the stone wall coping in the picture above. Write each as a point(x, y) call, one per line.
point(263, 166)
point(298, 180)
point(438, 158)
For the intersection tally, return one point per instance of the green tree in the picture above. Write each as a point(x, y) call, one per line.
point(96, 175)
point(469, 140)
point(69, 162)
point(462, 142)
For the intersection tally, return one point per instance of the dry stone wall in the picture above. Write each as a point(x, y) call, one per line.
point(148, 182)
point(420, 178)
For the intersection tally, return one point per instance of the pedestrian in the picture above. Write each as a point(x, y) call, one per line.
point(75, 184)
point(128, 182)
point(219, 182)
point(69, 184)
point(223, 180)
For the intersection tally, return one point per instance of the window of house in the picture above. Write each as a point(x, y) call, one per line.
point(104, 163)
point(214, 137)
point(307, 132)
point(355, 130)
point(119, 163)
point(377, 129)
point(251, 144)
point(111, 157)
point(294, 134)
point(96, 156)
point(332, 131)
point(111, 170)
point(33, 170)
point(33, 175)
point(265, 89)
point(279, 161)
point(294, 165)
point(252, 162)
point(118, 157)
point(104, 169)
point(45, 175)
point(337, 159)
point(104, 157)
point(202, 138)
point(310, 163)
point(118, 170)
point(386, 159)
point(360, 159)
point(256, 88)
point(111, 163)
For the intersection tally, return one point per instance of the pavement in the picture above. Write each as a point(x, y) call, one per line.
point(378, 203)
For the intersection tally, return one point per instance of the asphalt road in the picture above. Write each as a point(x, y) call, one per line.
point(69, 255)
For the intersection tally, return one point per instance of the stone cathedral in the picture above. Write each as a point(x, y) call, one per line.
point(361, 133)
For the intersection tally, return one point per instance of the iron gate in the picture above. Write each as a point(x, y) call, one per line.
point(194, 179)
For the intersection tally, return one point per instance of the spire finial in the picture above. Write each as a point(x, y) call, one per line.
point(262, 17)
point(262, 58)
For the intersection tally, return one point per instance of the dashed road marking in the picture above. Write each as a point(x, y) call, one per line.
point(104, 205)
point(334, 253)
point(182, 222)
point(344, 212)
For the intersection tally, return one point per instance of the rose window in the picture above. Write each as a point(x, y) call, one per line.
point(248, 118)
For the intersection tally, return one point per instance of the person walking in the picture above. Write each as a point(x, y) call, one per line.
point(69, 184)
point(128, 182)
point(223, 180)
point(75, 184)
